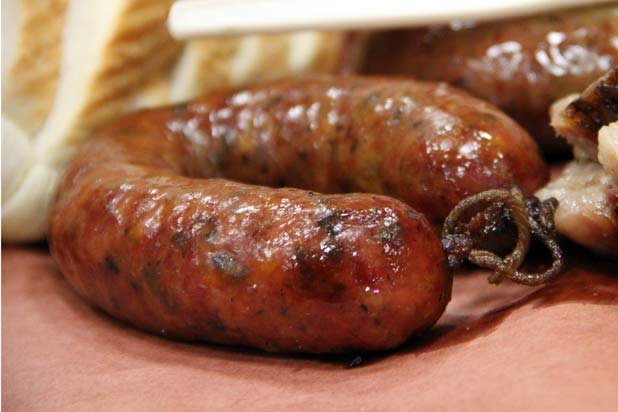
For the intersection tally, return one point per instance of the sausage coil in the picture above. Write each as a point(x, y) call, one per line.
point(152, 223)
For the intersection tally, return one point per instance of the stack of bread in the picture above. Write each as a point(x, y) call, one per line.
point(71, 66)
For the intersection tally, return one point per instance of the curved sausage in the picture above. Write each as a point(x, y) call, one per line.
point(522, 65)
point(427, 144)
point(144, 227)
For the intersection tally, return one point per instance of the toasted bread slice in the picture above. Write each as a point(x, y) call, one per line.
point(28, 182)
point(315, 52)
point(31, 33)
point(109, 48)
point(215, 64)
point(16, 156)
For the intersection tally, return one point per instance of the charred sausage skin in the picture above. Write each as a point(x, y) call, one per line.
point(522, 65)
point(144, 227)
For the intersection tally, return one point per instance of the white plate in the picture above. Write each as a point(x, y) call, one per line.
point(201, 18)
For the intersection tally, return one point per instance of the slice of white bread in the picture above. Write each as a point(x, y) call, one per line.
point(109, 48)
point(31, 33)
point(28, 182)
point(217, 64)
point(117, 55)
point(16, 156)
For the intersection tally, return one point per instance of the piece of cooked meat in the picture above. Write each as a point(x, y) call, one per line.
point(579, 119)
point(588, 206)
point(587, 189)
point(608, 149)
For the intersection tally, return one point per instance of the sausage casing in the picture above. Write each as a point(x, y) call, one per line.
point(145, 227)
point(427, 144)
point(522, 65)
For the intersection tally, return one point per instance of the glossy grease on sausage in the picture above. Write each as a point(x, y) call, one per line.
point(427, 144)
point(522, 65)
point(144, 227)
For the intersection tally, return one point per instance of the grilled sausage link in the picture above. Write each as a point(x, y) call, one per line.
point(145, 227)
point(522, 65)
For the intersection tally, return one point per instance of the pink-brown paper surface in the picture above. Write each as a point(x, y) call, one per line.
point(506, 348)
